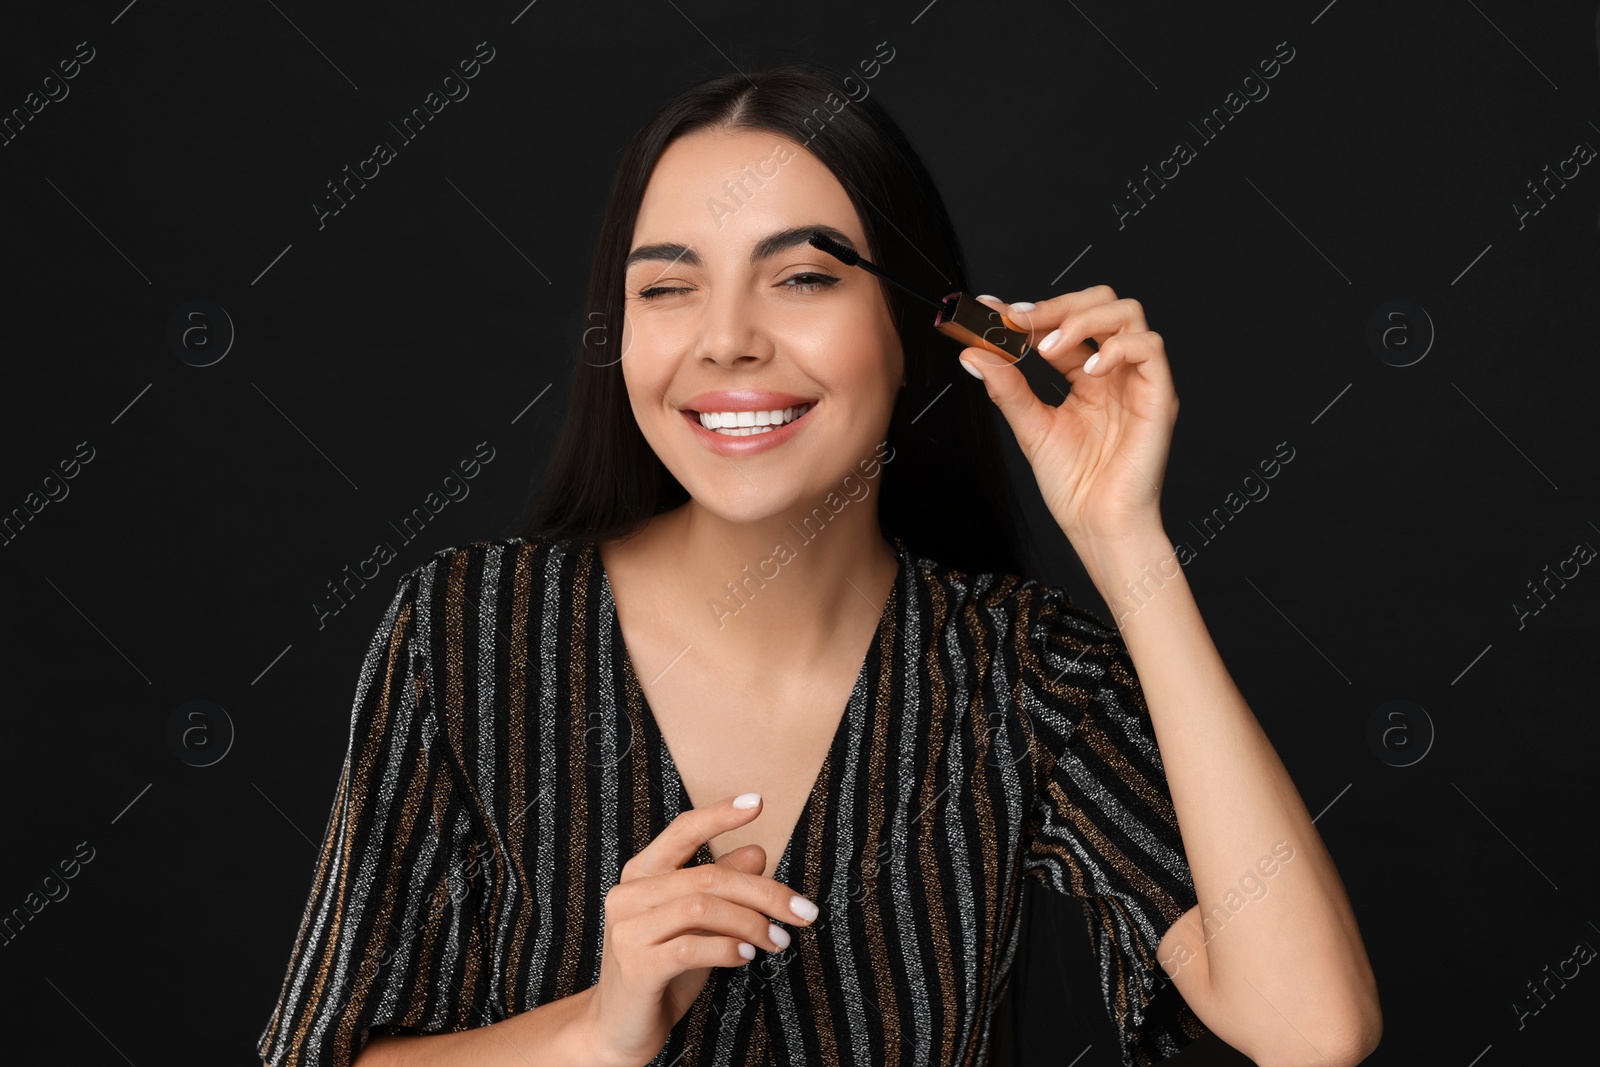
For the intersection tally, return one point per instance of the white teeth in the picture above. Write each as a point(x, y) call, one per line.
point(745, 423)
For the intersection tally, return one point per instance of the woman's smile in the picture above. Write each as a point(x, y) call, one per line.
point(744, 432)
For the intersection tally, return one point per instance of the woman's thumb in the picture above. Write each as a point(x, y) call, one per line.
point(1009, 389)
point(751, 859)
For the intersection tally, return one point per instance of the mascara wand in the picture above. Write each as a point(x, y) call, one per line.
point(962, 317)
point(851, 258)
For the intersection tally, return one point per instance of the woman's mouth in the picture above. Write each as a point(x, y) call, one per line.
point(748, 423)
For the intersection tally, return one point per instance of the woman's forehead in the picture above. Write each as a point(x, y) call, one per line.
point(730, 189)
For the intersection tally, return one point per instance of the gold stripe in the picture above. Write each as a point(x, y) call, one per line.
point(474, 950)
point(809, 953)
point(933, 881)
point(577, 816)
point(699, 1015)
point(421, 964)
point(518, 711)
point(455, 657)
point(759, 1041)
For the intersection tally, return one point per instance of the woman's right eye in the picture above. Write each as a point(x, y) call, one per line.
point(659, 290)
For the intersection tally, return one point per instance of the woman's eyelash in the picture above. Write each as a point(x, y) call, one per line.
point(822, 281)
point(657, 290)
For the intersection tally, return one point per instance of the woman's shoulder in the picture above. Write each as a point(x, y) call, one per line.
point(1027, 609)
point(536, 560)
point(482, 615)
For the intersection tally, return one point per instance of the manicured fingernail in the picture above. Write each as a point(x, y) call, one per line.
point(1023, 305)
point(1089, 364)
point(996, 299)
point(747, 800)
point(747, 950)
point(803, 908)
point(1050, 340)
point(972, 370)
point(779, 935)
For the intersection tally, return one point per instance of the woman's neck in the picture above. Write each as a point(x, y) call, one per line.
point(777, 593)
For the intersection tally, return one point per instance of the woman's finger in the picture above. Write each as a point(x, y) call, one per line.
point(751, 891)
point(1029, 417)
point(677, 844)
point(1038, 319)
point(689, 951)
point(1101, 322)
point(712, 914)
point(1146, 351)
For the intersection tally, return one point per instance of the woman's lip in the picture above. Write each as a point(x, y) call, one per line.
point(748, 444)
point(737, 407)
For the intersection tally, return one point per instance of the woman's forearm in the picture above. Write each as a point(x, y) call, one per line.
point(1293, 972)
point(556, 1033)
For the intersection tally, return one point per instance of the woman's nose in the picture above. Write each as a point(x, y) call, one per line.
point(731, 331)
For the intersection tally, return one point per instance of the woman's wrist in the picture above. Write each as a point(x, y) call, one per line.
point(582, 1039)
point(1130, 571)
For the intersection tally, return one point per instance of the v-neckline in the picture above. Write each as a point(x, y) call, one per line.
point(849, 723)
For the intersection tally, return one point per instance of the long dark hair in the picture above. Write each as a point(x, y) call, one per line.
point(944, 492)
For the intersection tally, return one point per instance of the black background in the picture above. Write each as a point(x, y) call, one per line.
point(373, 354)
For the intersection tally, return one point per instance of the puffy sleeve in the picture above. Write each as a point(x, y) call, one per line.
point(1103, 828)
point(393, 936)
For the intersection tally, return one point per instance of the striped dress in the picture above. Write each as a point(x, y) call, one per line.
point(503, 765)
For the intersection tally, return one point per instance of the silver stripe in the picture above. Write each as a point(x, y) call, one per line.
point(1010, 815)
point(844, 950)
point(482, 770)
point(610, 872)
point(903, 907)
point(454, 934)
point(550, 639)
point(414, 907)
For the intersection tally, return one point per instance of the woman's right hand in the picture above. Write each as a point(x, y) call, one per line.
point(667, 925)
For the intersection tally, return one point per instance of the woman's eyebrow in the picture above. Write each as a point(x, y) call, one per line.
point(770, 245)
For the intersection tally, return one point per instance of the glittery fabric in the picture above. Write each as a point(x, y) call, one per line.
point(503, 764)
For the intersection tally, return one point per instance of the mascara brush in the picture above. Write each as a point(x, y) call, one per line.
point(962, 317)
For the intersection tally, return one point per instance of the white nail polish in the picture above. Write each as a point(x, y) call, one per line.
point(779, 935)
point(803, 908)
point(747, 950)
point(974, 371)
point(1089, 364)
point(1023, 305)
point(745, 801)
point(1050, 340)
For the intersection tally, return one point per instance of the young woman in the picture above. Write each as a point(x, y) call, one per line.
point(741, 753)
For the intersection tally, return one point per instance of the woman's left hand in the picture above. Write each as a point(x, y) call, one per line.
point(1101, 455)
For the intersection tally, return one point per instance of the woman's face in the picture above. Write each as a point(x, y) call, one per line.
point(730, 314)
